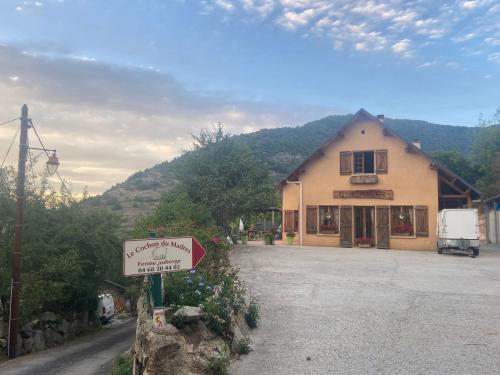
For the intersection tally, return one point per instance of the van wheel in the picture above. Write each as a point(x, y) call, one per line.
point(476, 251)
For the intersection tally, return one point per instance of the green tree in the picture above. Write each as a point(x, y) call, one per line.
point(486, 155)
point(224, 177)
point(67, 251)
point(458, 163)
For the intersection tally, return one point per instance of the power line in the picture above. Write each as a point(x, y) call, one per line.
point(47, 153)
point(6, 122)
point(11, 143)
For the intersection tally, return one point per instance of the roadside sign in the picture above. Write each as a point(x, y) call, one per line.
point(159, 255)
point(159, 320)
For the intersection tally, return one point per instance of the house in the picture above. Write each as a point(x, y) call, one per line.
point(492, 216)
point(367, 185)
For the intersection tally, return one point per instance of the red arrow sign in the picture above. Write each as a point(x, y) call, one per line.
point(198, 252)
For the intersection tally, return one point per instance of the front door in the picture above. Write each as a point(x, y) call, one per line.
point(364, 225)
point(346, 226)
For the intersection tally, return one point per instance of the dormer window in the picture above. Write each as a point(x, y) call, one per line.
point(364, 162)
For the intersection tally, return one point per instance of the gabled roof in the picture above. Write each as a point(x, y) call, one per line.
point(364, 115)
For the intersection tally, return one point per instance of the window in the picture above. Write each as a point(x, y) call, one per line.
point(402, 221)
point(329, 219)
point(364, 162)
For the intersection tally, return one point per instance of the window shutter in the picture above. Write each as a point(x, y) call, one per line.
point(421, 221)
point(289, 221)
point(381, 161)
point(312, 220)
point(345, 163)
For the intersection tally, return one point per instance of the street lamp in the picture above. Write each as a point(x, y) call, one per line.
point(52, 164)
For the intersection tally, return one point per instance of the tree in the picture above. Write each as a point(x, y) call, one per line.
point(224, 177)
point(485, 155)
point(67, 251)
point(459, 164)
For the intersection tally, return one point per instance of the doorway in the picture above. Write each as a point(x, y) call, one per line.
point(364, 226)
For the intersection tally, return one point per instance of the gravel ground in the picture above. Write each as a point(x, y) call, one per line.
point(369, 311)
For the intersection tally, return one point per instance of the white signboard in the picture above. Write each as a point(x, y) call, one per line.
point(159, 255)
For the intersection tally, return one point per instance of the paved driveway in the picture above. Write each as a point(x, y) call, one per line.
point(368, 311)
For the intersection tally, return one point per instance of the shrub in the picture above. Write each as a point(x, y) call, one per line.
point(123, 365)
point(243, 345)
point(252, 314)
point(179, 321)
point(218, 365)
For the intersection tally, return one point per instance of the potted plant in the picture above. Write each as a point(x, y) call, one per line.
point(364, 242)
point(268, 239)
point(403, 229)
point(289, 237)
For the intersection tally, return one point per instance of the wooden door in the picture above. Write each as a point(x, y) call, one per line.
point(383, 227)
point(345, 226)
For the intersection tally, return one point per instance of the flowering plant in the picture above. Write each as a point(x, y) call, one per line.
point(328, 227)
point(403, 228)
point(365, 240)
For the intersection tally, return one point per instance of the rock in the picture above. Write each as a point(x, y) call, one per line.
point(3, 344)
point(35, 343)
point(63, 327)
point(49, 316)
point(169, 329)
point(52, 337)
point(19, 345)
point(189, 313)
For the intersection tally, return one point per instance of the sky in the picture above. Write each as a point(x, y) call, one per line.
point(118, 86)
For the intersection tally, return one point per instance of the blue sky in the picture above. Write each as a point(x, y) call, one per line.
point(146, 74)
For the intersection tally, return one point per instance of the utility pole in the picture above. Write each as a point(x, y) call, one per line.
point(16, 256)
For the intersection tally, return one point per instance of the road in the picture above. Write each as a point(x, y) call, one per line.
point(90, 354)
point(370, 311)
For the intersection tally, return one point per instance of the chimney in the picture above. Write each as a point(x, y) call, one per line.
point(416, 143)
point(380, 118)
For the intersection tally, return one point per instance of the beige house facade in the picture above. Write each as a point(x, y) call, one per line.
point(368, 187)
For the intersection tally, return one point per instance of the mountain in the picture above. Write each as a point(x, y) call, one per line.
point(279, 150)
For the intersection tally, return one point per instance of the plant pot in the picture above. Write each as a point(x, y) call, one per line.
point(244, 239)
point(364, 245)
point(289, 240)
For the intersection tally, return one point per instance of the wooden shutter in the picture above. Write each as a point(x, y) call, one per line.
point(289, 221)
point(312, 220)
point(346, 163)
point(383, 227)
point(421, 221)
point(346, 226)
point(381, 161)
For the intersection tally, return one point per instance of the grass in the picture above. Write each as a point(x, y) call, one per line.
point(123, 365)
point(252, 314)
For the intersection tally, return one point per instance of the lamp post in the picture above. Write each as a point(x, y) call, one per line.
point(15, 290)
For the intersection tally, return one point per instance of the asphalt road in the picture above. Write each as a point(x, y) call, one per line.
point(369, 311)
point(90, 354)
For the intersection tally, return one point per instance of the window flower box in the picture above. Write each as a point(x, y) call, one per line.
point(364, 242)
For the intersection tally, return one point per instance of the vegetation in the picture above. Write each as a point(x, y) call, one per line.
point(252, 314)
point(219, 365)
point(243, 345)
point(67, 251)
point(123, 365)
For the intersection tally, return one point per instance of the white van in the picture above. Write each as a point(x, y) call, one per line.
point(458, 231)
point(105, 307)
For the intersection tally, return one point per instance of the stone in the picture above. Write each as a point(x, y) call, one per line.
point(35, 343)
point(169, 329)
point(52, 337)
point(63, 327)
point(3, 344)
point(49, 316)
point(190, 313)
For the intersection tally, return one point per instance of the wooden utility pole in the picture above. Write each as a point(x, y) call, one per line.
point(16, 256)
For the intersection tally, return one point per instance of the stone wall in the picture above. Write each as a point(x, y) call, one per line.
point(185, 351)
point(47, 331)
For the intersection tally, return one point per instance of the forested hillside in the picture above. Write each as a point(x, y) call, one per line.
point(279, 150)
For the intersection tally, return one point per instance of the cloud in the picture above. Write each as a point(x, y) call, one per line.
point(384, 23)
point(224, 4)
point(494, 57)
point(402, 48)
point(98, 115)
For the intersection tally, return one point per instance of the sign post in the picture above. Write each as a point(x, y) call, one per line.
point(155, 256)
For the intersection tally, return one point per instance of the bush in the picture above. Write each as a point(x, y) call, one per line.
point(252, 314)
point(123, 365)
point(219, 365)
point(243, 345)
